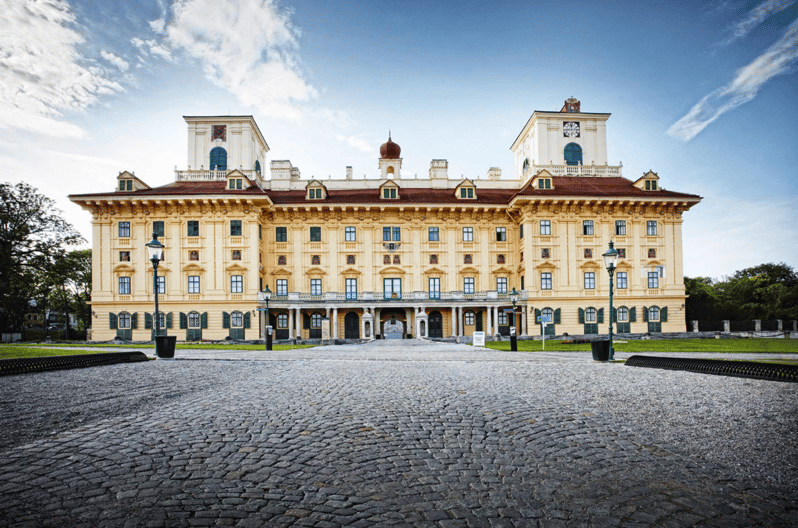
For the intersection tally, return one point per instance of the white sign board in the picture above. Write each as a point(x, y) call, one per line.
point(479, 339)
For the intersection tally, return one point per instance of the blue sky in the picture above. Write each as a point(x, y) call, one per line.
point(703, 93)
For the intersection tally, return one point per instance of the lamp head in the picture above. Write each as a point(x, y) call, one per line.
point(155, 249)
point(611, 257)
point(514, 295)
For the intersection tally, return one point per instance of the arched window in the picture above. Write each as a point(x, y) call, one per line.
point(548, 313)
point(526, 165)
point(218, 158)
point(653, 313)
point(573, 154)
point(257, 166)
point(237, 320)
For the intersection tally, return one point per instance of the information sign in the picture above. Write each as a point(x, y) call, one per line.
point(479, 339)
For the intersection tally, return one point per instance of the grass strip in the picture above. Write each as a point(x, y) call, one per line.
point(728, 346)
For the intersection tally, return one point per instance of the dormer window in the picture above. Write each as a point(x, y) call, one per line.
point(315, 193)
point(467, 192)
point(651, 185)
point(648, 182)
point(544, 183)
point(125, 185)
point(235, 184)
point(389, 193)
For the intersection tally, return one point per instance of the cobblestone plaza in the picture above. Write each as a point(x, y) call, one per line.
point(404, 434)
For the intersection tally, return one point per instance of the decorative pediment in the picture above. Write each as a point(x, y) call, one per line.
point(502, 270)
point(237, 180)
point(469, 269)
point(191, 267)
point(281, 271)
point(389, 190)
point(434, 271)
point(546, 266)
point(392, 270)
point(123, 267)
point(590, 264)
point(162, 268)
point(315, 271)
point(350, 271)
point(652, 263)
point(466, 190)
point(315, 190)
point(235, 267)
point(128, 182)
point(543, 181)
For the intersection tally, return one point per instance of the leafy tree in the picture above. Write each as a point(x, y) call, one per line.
point(32, 236)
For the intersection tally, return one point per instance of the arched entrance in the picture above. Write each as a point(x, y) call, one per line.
point(393, 323)
point(435, 324)
point(351, 326)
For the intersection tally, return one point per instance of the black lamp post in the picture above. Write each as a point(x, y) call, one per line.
point(264, 296)
point(610, 260)
point(513, 335)
point(155, 250)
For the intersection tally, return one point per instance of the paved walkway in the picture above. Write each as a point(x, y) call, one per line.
point(391, 433)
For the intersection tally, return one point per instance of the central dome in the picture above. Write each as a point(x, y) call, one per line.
point(390, 150)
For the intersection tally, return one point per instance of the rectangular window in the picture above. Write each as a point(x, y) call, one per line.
point(161, 284)
point(281, 234)
point(545, 281)
point(434, 234)
point(545, 227)
point(389, 193)
point(651, 228)
point(124, 229)
point(623, 314)
point(504, 319)
point(124, 318)
point(315, 286)
point(392, 288)
point(350, 235)
point(620, 228)
point(193, 284)
point(623, 281)
point(236, 284)
point(235, 227)
point(392, 233)
point(590, 315)
point(192, 228)
point(501, 234)
point(653, 279)
point(315, 234)
point(587, 227)
point(590, 280)
point(351, 289)
point(397, 234)
point(521, 231)
point(468, 285)
point(282, 320)
point(468, 234)
point(282, 287)
point(157, 228)
point(124, 285)
point(501, 284)
point(435, 288)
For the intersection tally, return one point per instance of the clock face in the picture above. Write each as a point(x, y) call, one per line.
point(570, 129)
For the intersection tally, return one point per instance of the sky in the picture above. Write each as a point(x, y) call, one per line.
point(703, 93)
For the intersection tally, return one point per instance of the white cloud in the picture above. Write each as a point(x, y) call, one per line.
point(249, 50)
point(42, 73)
point(358, 142)
point(776, 60)
point(152, 47)
point(116, 60)
point(755, 17)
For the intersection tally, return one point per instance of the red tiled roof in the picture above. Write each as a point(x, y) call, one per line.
point(563, 186)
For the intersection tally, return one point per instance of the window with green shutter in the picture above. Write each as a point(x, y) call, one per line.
point(225, 320)
point(112, 321)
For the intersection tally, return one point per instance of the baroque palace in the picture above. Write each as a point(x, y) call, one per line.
point(363, 258)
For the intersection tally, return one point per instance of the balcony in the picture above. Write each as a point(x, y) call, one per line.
point(370, 298)
point(201, 175)
point(603, 171)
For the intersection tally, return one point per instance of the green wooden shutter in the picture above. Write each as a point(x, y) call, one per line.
point(614, 315)
point(581, 316)
point(183, 321)
point(537, 316)
point(645, 314)
point(663, 314)
point(112, 321)
point(632, 314)
point(204, 320)
point(246, 319)
point(557, 316)
point(600, 316)
point(134, 320)
point(225, 320)
point(147, 321)
point(169, 320)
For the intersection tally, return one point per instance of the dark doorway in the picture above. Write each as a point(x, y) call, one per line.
point(351, 326)
point(479, 322)
point(435, 324)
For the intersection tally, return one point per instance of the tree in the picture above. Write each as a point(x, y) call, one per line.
point(32, 235)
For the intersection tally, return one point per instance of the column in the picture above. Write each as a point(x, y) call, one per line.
point(409, 321)
point(377, 330)
point(454, 321)
point(298, 323)
point(460, 321)
point(523, 321)
point(262, 324)
point(334, 323)
point(489, 325)
point(363, 323)
point(496, 319)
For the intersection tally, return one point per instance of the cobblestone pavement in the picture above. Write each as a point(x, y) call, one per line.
point(402, 434)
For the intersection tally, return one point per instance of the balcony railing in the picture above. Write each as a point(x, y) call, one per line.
point(381, 297)
point(195, 175)
point(605, 171)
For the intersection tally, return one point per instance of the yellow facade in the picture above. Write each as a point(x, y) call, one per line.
point(438, 256)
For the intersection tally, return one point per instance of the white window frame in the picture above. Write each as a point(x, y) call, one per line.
point(237, 319)
point(623, 314)
point(161, 284)
point(545, 227)
point(501, 234)
point(620, 228)
point(546, 281)
point(194, 284)
point(651, 228)
point(468, 284)
point(315, 286)
point(281, 285)
point(434, 287)
point(653, 280)
point(124, 285)
point(622, 280)
point(123, 321)
point(469, 318)
point(590, 315)
point(350, 234)
point(236, 284)
point(468, 234)
point(587, 227)
point(501, 284)
point(590, 280)
point(351, 288)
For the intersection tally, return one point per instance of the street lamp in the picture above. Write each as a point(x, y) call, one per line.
point(610, 260)
point(155, 250)
point(264, 296)
point(513, 335)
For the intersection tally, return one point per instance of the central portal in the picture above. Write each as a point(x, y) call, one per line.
point(393, 328)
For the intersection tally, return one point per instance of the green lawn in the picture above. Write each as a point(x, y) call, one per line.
point(732, 346)
point(27, 350)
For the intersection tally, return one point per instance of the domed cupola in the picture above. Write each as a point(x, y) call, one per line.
point(390, 150)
